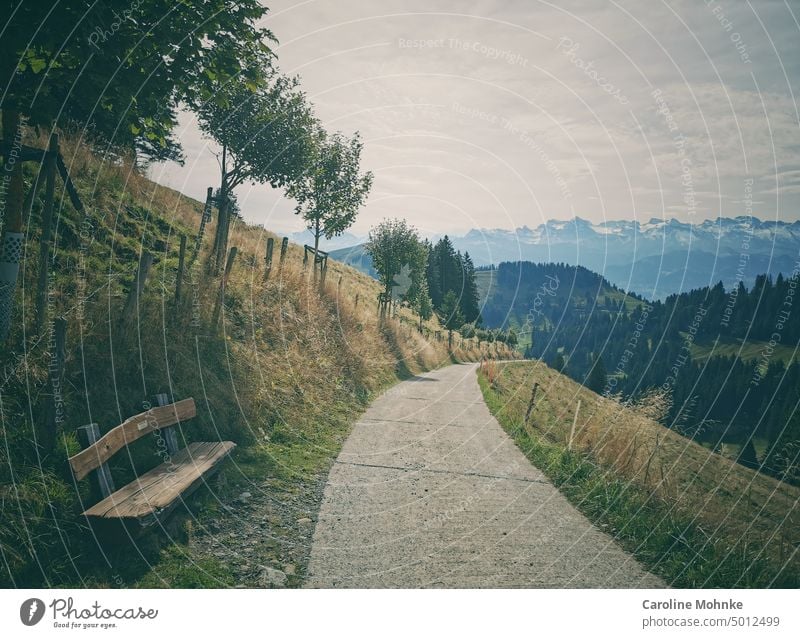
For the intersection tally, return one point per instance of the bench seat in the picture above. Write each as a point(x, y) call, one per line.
point(157, 492)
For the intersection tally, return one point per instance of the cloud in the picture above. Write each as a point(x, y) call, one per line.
point(474, 114)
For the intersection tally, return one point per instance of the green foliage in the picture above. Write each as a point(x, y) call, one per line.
point(450, 311)
point(267, 132)
point(596, 381)
point(450, 271)
point(119, 70)
point(393, 245)
point(178, 568)
point(747, 455)
point(512, 339)
point(331, 189)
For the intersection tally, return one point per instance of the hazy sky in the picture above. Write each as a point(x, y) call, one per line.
point(498, 113)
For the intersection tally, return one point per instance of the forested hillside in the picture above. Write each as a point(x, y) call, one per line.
point(724, 359)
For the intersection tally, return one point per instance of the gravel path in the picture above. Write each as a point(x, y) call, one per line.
point(429, 491)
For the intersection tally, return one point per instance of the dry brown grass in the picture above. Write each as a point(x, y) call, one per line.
point(725, 498)
point(284, 374)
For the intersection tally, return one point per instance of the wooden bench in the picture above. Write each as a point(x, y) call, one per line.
point(151, 497)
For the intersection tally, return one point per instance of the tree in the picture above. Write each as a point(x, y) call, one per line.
point(558, 363)
point(597, 376)
point(470, 300)
point(747, 455)
point(120, 70)
point(450, 312)
point(417, 294)
point(393, 246)
point(448, 271)
point(432, 276)
point(512, 338)
point(267, 134)
point(332, 189)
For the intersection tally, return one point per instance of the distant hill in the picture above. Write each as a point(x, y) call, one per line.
point(525, 295)
point(357, 257)
point(335, 243)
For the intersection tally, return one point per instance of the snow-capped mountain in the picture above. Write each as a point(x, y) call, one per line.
point(655, 258)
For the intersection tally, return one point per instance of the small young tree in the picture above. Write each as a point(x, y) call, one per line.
point(512, 338)
point(418, 295)
point(394, 247)
point(331, 190)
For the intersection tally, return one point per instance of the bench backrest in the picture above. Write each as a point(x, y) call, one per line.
point(126, 433)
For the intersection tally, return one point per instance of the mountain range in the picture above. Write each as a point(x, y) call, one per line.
point(653, 259)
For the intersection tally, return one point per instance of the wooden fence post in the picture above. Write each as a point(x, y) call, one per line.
point(206, 217)
point(168, 435)
point(54, 413)
point(88, 435)
point(13, 237)
point(137, 286)
point(49, 166)
point(284, 248)
point(530, 405)
point(356, 302)
point(179, 276)
point(268, 258)
point(222, 283)
point(572, 429)
point(228, 220)
point(323, 275)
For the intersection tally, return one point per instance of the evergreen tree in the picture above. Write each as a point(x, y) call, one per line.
point(450, 312)
point(597, 378)
point(432, 275)
point(447, 269)
point(747, 455)
point(470, 302)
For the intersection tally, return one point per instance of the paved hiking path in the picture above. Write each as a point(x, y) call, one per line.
point(429, 491)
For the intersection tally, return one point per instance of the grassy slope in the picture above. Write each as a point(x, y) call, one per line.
point(693, 516)
point(284, 375)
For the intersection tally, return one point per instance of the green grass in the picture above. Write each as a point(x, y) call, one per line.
point(671, 541)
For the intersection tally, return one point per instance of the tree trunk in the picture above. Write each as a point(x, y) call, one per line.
point(220, 238)
point(47, 223)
